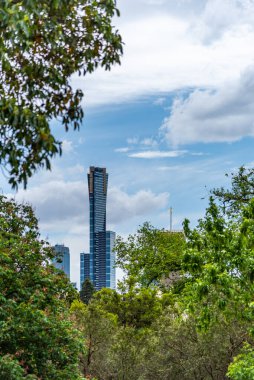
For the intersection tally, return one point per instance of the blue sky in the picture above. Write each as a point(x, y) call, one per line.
point(167, 124)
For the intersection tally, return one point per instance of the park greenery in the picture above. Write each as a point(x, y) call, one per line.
point(184, 309)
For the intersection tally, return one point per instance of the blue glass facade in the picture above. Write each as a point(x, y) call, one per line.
point(84, 267)
point(63, 259)
point(110, 260)
point(97, 187)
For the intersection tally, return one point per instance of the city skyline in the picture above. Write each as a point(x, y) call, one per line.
point(167, 124)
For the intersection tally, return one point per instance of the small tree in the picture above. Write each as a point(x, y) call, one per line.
point(87, 291)
point(97, 328)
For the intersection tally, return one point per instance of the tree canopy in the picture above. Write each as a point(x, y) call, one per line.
point(37, 337)
point(219, 263)
point(150, 255)
point(42, 43)
point(242, 367)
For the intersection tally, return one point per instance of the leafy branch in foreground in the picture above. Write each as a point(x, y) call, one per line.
point(42, 44)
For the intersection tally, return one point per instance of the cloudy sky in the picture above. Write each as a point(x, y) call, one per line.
point(167, 124)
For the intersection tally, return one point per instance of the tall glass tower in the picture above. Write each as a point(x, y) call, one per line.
point(84, 267)
point(63, 259)
point(110, 260)
point(99, 254)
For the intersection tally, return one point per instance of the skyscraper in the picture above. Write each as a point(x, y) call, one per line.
point(101, 255)
point(63, 259)
point(84, 267)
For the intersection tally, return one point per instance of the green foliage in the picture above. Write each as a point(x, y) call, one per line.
point(136, 308)
point(169, 347)
point(113, 351)
point(87, 291)
point(127, 353)
point(242, 367)
point(220, 263)
point(42, 44)
point(10, 369)
point(177, 350)
point(97, 328)
point(150, 255)
point(34, 300)
point(242, 190)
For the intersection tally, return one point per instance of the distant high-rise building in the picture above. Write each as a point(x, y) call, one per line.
point(101, 258)
point(97, 187)
point(63, 258)
point(84, 267)
point(110, 260)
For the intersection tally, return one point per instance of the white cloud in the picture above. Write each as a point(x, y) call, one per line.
point(132, 140)
point(122, 150)
point(179, 8)
point(145, 142)
point(198, 154)
point(75, 170)
point(58, 204)
point(81, 140)
point(63, 206)
point(169, 168)
point(222, 115)
point(123, 206)
point(157, 154)
point(149, 142)
point(219, 17)
point(154, 2)
point(67, 146)
point(164, 49)
point(159, 101)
